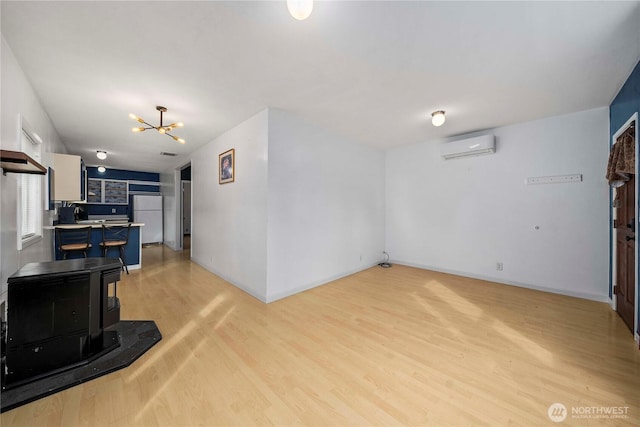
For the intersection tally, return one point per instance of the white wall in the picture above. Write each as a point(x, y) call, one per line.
point(230, 220)
point(326, 206)
point(464, 215)
point(18, 98)
point(306, 207)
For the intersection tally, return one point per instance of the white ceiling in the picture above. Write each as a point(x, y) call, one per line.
point(370, 71)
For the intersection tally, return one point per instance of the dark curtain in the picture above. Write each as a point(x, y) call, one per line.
point(622, 160)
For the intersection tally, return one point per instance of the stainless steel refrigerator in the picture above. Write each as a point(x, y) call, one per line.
point(148, 210)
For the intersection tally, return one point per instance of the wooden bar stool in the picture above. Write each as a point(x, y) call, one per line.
point(115, 236)
point(73, 240)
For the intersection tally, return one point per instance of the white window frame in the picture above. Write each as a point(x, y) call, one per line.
point(31, 144)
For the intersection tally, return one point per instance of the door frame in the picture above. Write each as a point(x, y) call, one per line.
point(178, 197)
point(613, 244)
point(182, 182)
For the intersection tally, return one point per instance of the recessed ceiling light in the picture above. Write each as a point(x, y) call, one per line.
point(101, 155)
point(102, 169)
point(437, 118)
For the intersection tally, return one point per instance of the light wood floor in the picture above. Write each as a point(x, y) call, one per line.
point(398, 346)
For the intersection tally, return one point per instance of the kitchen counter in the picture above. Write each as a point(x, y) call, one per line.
point(133, 249)
point(97, 224)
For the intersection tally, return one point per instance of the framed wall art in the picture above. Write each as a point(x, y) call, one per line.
point(226, 167)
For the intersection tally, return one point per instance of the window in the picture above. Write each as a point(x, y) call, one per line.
point(30, 194)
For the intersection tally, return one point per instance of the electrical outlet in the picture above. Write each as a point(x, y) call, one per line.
point(499, 266)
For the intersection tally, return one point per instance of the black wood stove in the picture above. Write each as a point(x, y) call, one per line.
point(57, 313)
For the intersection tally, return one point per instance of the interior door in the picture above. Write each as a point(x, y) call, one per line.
point(625, 251)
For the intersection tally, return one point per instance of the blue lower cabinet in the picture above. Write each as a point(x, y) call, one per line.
point(131, 250)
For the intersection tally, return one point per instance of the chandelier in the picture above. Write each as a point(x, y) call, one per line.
point(162, 128)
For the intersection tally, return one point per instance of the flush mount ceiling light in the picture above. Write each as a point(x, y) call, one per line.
point(101, 154)
point(300, 9)
point(437, 118)
point(162, 128)
point(102, 169)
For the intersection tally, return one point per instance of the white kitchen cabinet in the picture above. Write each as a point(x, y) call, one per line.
point(70, 178)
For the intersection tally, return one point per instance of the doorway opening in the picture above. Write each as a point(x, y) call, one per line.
point(624, 204)
point(185, 229)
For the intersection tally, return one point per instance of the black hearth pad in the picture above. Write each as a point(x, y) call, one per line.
point(136, 337)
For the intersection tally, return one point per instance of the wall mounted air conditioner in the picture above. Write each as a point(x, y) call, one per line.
point(485, 144)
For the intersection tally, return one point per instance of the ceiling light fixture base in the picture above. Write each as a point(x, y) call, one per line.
point(437, 118)
point(300, 9)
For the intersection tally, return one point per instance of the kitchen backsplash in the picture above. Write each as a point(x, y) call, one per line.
point(139, 183)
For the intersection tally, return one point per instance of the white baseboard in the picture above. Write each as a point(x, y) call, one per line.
point(583, 295)
point(280, 295)
point(171, 245)
point(238, 285)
